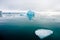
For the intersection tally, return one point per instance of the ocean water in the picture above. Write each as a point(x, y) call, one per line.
point(21, 28)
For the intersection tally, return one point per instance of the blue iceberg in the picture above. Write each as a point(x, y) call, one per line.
point(30, 14)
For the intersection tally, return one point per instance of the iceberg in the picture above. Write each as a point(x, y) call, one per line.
point(30, 14)
point(43, 33)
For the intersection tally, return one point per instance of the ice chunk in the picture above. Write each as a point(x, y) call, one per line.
point(42, 33)
point(30, 14)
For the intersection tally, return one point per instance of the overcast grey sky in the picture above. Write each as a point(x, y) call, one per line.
point(30, 4)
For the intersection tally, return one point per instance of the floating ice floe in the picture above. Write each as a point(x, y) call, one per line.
point(43, 33)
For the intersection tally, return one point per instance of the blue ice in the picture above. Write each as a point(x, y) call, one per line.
point(30, 14)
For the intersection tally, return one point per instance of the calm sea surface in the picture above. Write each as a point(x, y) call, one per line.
point(24, 29)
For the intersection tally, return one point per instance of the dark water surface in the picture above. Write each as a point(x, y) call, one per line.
point(24, 29)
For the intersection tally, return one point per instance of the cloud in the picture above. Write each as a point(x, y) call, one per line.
point(30, 4)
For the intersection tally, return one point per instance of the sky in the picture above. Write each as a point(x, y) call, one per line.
point(38, 5)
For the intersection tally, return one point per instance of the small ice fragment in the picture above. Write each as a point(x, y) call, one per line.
point(43, 33)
